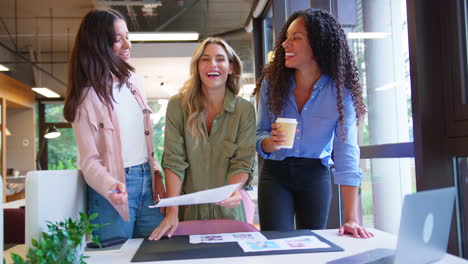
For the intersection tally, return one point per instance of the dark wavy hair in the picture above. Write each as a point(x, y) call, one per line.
point(333, 56)
point(93, 61)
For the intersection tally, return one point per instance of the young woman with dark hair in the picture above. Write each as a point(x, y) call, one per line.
point(106, 105)
point(312, 78)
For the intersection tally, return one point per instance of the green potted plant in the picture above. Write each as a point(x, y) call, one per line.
point(63, 243)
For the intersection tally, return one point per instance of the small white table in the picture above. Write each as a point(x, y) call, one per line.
point(351, 245)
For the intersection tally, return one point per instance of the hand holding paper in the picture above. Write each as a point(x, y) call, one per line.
point(207, 196)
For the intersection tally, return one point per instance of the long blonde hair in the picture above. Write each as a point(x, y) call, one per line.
point(191, 92)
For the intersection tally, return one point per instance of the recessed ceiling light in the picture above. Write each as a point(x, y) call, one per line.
point(46, 92)
point(163, 36)
point(3, 68)
point(368, 35)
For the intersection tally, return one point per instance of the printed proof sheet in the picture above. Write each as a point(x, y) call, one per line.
point(207, 196)
point(227, 237)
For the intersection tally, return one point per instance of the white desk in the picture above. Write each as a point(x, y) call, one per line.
point(351, 245)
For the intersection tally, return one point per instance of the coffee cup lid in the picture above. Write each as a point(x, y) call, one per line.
point(286, 120)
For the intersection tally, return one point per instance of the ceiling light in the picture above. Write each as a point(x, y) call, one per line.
point(3, 68)
point(46, 92)
point(368, 35)
point(164, 36)
point(154, 3)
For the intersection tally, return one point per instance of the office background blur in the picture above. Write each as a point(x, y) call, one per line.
point(412, 58)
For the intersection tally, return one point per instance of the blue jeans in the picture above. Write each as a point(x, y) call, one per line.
point(143, 220)
point(294, 187)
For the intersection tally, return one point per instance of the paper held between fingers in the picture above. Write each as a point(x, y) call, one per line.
point(207, 196)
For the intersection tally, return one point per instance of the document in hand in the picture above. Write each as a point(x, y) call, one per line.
point(207, 196)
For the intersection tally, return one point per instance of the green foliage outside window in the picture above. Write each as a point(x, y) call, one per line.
point(62, 151)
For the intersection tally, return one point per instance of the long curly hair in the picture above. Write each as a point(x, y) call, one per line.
point(191, 93)
point(333, 56)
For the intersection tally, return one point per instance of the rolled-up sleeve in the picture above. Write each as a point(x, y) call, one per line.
point(263, 121)
point(243, 158)
point(346, 151)
point(175, 156)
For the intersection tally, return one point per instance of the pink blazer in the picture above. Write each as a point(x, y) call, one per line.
point(97, 134)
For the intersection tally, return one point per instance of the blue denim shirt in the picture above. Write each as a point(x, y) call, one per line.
point(318, 131)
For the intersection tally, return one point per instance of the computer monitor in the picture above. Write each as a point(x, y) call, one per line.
point(52, 195)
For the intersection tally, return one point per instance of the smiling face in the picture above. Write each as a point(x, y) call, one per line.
point(214, 67)
point(122, 45)
point(298, 53)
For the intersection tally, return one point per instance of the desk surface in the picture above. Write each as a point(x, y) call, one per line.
point(351, 245)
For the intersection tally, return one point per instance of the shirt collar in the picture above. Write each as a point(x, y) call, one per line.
point(230, 101)
point(322, 82)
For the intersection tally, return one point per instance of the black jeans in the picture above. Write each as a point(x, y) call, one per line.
point(291, 187)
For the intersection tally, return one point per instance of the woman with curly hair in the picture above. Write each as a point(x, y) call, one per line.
point(313, 79)
point(209, 139)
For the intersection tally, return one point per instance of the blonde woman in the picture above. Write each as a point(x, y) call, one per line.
point(209, 137)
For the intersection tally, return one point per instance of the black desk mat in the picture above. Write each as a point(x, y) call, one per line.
point(177, 248)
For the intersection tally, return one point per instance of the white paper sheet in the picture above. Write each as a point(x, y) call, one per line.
point(207, 196)
point(227, 237)
point(292, 243)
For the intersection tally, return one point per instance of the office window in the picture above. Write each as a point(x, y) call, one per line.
point(62, 151)
point(379, 40)
point(54, 113)
point(382, 196)
point(268, 42)
point(158, 118)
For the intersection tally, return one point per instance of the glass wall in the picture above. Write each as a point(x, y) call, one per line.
point(61, 151)
point(158, 117)
point(379, 40)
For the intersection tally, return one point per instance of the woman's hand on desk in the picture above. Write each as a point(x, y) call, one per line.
point(233, 201)
point(169, 224)
point(353, 228)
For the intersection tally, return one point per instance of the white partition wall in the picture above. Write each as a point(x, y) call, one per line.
point(52, 196)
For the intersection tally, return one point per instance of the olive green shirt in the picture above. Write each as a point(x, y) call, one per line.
point(227, 151)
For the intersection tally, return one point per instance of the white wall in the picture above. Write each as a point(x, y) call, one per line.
point(162, 67)
point(20, 146)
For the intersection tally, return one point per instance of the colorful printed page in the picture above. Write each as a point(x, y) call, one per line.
point(227, 237)
point(292, 243)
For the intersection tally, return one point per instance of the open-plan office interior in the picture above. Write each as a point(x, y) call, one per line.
point(412, 57)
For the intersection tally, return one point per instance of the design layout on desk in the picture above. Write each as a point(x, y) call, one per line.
point(207, 196)
point(227, 237)
point(291, 243)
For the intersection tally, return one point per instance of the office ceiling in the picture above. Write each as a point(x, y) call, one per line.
point(43, 31)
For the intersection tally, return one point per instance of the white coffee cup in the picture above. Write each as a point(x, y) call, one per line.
point(288, 126)
point(16, 173)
